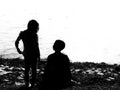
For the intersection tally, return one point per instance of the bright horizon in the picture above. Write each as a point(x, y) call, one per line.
point(90, 28)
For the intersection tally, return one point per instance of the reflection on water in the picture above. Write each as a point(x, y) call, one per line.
point(7, 43)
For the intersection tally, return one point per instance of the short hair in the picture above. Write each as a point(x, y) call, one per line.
point(58, 45)
point(33, 25)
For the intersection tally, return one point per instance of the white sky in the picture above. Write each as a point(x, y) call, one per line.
point(90, 28)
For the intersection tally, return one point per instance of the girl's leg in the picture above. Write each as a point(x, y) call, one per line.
point(33, 73)
point(27, 69)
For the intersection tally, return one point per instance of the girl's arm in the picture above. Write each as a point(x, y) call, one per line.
point(17, 42)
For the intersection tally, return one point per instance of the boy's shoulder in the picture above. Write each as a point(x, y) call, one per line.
point(21, 32)
point(54, 54)
point(51, 55)
point(24, 31)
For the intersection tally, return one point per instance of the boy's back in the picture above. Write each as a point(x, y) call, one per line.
point(58, 63)
point(57, 73)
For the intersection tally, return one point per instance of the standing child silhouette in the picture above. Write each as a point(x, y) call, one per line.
point(57, 73)
point(31, 52)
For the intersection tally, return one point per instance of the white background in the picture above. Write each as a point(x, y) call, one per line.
point(90, 28)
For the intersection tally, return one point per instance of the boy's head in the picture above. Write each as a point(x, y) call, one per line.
point(58, 45)
point(33, 26)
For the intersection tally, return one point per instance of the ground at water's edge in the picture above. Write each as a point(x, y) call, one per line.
point(85, 76)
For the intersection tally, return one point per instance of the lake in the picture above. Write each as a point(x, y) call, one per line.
point(82, 52)
point(7, 44)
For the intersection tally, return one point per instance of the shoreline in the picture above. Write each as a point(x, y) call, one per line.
point(84, 74)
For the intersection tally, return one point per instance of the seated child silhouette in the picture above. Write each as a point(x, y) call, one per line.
point(57, 73)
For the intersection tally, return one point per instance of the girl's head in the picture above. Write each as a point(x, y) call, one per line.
point(33, 26)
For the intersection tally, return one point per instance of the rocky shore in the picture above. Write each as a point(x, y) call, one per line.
point(85, 75)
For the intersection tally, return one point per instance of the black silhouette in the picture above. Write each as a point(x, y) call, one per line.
point(31, 50)
point(57, 73)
